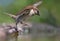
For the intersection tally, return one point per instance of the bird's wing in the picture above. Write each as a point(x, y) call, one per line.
point(25, 9)
point(22, 16)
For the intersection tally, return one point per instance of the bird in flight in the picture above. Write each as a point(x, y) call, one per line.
point(27, 12)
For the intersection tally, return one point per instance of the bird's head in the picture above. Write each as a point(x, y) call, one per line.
point(34, 11)
point(37, 12)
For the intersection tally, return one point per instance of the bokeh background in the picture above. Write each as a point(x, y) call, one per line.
point(49, 14)
point(49, 10)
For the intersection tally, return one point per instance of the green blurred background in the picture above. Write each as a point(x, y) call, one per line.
point(49, 10)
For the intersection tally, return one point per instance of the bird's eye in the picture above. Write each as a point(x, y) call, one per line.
point(35, 11)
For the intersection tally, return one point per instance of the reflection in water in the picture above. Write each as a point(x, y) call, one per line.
point(41, 32)
point(41, 37)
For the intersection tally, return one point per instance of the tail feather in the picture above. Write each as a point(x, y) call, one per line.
point(11, 15)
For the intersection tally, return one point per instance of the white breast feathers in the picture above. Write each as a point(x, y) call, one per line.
point(31, 12)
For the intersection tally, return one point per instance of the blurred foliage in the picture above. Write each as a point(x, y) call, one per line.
point(49, 10)
point(4, 18)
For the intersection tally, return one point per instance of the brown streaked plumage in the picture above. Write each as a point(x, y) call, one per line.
point(26, 8)
point(26, 12)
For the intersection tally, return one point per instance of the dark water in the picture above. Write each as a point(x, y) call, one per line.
point(40, 37)
point(42, 33)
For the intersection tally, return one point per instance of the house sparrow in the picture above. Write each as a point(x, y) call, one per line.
point(23, 15)
point(29, 11)
point(26, 13)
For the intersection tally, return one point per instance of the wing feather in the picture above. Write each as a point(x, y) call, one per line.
point(22, 16)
